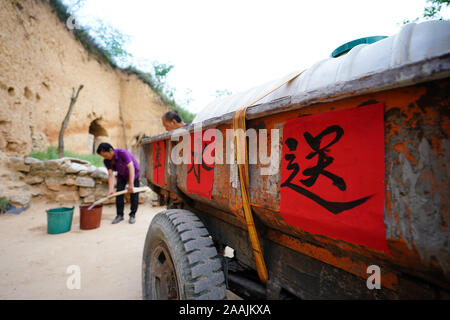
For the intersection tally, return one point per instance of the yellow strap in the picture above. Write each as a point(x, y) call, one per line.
point(241, 150)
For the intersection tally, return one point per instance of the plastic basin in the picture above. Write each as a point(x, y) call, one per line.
point(90, 219)
point(59, 220)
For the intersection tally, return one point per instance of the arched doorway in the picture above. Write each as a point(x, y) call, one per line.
point(96, 134)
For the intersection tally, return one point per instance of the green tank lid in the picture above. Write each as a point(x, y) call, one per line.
point(346, 47)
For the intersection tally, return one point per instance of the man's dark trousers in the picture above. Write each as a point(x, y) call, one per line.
point(134, 198)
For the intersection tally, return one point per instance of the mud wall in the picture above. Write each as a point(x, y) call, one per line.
point(40, 64)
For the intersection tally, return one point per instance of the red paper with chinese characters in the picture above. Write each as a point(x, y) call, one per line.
point(332, 175)
point(159, 156)
point(200, 170)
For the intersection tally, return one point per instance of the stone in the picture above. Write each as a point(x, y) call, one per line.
point(36, 193)
point(148, 196)
point(37, 168)
point(91, 169)
point(17, 160)
point(65, 165)
point(85, 192)
point(100, 173)
point(101, 191)
point(52, 173)
point(89, 199)
point(69, 180)
point(153, 195)
point(9, 176)
point(69, 188)
point(23, 168)
point(33, 179)
point(75, 168)
point(30, 160)
point(22, 200)
point(20, 175)
point(67, 196)
point(20, 187)
point(85, 182)
point(143, 197)
point(48, 194)
point(78, 161)
point(19, 164)
point(53, 164)
point(54, 183)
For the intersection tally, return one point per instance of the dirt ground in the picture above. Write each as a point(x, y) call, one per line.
point(34, 264)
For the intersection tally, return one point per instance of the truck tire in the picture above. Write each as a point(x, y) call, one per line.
point(180, 261)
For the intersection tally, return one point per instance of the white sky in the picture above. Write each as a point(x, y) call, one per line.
point(239, 44)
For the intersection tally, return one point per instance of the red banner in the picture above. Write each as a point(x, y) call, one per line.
point(200, 171)
point(332, 175)
point(159, 156)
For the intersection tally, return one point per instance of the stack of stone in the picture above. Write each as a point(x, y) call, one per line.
point(61, 180)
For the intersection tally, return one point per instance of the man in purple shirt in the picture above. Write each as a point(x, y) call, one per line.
point(127, 168)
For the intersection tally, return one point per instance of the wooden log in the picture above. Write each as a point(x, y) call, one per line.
point(65, 122)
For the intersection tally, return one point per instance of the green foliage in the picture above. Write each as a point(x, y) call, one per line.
point(112, 43)
point(157, 83)
point(107, 43)
point(223, 93)
point(161, 71)
point(52, 153)
point(3, 204)
point(432, 11)
point(60, 10)
point(82, 34)
point(406, 21)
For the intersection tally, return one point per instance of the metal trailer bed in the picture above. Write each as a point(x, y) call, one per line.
point(183, 255)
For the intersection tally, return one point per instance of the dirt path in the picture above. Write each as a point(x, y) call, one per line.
point(34, 264)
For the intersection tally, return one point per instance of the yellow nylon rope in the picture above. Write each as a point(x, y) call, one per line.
point(240, 141)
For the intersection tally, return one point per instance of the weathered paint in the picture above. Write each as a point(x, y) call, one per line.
point(349, 264)
point(416, 215)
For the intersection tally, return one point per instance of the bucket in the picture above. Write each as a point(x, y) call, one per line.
point(59, 220)
point(90, 219)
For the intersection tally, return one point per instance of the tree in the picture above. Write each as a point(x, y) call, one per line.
point(113, 43)
point(65, 122)
point(432, 11)
point(108, 43)
point(160, 71)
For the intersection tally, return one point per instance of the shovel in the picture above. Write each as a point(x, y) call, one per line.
point(135, 190)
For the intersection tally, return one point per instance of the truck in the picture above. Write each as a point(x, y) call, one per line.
point(330, 183)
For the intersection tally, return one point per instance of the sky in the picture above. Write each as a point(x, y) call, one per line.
point(235, 45)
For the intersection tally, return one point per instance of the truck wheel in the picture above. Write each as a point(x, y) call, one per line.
point(180, 261)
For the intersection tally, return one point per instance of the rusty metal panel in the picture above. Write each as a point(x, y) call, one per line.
point(416, 215)
point(416, 178)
